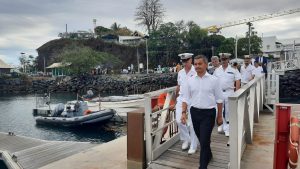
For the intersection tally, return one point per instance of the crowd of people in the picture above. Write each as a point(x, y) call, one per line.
point(202, 97)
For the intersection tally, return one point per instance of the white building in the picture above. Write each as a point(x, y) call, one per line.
point(281, 48)
point(130, 40)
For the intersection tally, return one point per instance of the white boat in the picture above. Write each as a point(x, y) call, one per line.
point(112, 102)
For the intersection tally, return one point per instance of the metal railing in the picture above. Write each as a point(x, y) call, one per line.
point(157, 139)
point(272, 89)
point(285, 65)
point(244, 107)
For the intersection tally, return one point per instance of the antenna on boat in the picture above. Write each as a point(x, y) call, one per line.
point(99, 102)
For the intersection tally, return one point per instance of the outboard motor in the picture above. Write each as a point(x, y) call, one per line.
point(58, 110)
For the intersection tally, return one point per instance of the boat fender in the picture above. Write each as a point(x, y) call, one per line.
point(87, 112)
point(293, 143)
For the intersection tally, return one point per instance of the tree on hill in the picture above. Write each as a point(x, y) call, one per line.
point(100, 31)
point(83, 59)
point(150, 14)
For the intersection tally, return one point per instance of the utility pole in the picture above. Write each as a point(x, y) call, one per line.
point(236, 42)
point(249, 36)
point(147, 54)
point(44, 65)
point(138, 59)
point(24, 62)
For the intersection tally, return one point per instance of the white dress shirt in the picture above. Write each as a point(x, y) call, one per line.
point(227, 77)
point(183, 78)
point(258, 71)
point(247, 73)
point(202, 92)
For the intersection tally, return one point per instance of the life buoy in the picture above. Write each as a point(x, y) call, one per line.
point(293, 143)
point(87, 112)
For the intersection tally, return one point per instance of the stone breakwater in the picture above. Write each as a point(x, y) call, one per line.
point(103, 83)
point(289, 85)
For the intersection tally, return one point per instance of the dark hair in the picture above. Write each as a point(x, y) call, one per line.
point(204, 58)
point(235, 64)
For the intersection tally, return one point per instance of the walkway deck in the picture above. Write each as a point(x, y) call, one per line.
point(257, 155)
point(174, 157)
point(34, 153)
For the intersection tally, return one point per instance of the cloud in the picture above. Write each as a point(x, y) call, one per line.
point(28, 24)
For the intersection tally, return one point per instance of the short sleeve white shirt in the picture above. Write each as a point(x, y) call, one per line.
point(183, 77)
point(246, 73)
point(258, 71)
point(227, 77)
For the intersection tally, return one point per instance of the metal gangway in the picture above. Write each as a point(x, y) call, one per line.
point(245, 106)
point(163, 150)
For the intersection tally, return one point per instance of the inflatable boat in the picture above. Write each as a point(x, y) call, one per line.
point(75, 115)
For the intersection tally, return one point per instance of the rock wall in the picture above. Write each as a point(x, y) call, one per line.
point(289, 85)
point(103, 83)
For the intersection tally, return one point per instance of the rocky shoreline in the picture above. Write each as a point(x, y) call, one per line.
point(289, 85)
point(128, 84)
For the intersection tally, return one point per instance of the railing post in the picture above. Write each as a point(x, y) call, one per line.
point(148, 128)
point(277, 88)
point(233, 139)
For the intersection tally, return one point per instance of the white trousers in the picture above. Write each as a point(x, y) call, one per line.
point(226, 112)
point(186, 131)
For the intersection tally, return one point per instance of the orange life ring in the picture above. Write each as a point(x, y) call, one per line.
point(87, 112)
point(293, 143)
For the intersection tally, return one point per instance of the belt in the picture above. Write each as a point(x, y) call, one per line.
point(203, 109)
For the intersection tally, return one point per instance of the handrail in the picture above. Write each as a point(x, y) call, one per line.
point(153, 135)
point(244, 107)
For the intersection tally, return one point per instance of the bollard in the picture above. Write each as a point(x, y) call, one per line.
point(282, 129)
point(136, 154)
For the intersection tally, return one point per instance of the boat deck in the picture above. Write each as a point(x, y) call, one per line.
point(34, 153)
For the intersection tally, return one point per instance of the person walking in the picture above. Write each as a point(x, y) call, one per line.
point(215, 61)
point(201, 93)
point(247, 70)
point(187, 134)
point(229, 79)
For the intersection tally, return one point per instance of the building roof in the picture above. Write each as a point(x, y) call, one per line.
point(3, 65)
point(58, 65)
point(129, 38)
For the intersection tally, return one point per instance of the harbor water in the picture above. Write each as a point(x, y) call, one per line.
point(16, 116)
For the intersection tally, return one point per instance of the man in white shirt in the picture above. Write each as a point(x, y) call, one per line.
point(247, 70)
point(258, 70)
point(187, 134)
point(202, 93)
point(215, 61)
point(228, 78)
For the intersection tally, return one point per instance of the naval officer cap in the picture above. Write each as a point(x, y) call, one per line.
point(224, 55)
point(247, 56)
point(184, 56)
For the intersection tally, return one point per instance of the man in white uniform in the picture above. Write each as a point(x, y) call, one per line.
point(258, 70)
point(187, 134)
point(247, 70)
point(228, 78)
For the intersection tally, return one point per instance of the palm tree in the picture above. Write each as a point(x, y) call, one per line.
point(115, 27)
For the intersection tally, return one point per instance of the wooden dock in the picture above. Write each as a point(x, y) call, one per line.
point(34, 153)
point(174, 157)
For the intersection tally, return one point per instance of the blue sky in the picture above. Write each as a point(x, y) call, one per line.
point(28, 24)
